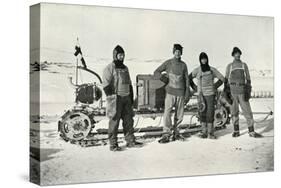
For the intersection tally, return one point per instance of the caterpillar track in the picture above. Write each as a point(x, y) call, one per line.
point(77, 125)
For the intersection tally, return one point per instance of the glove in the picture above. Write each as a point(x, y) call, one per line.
point(192, 84)
point(187, 95)
point(218, 84)
point(132, 94)
point(133, 103)
point(248, 90)
point(227, 97)
point(164, 78)
point(227, 92)
point(108, 90)
point(186, 100)
point(201, 103)
point(226, 88)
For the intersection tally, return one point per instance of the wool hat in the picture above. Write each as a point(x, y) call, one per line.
point(236, 50)
point(177, 47)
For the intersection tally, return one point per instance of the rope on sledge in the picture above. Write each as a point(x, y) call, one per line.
point(265, 118)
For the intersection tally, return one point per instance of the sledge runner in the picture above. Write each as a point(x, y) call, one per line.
point(238, 88)
point(206, 88)
point(174, 73)
point(118, 88)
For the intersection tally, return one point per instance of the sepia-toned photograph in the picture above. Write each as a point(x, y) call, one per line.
point(129, 94)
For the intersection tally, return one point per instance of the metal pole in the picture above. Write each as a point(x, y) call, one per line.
point(76, 81)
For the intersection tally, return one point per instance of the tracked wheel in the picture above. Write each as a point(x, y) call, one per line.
point(75, 126)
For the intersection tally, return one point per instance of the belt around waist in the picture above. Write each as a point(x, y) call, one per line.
point(237, 84)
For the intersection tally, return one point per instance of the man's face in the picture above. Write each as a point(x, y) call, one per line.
point(204, 61)
point(237, 56)
point(177, 54)
point(120, 57)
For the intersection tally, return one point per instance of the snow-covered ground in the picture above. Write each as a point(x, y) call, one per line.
point(63, 162)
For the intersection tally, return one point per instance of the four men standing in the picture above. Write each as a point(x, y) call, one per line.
point(119, 91)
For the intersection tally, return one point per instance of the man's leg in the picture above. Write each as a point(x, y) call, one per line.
point(248, 114)
point(128, 123)
point(180, 110)
point(210, 105)
point(235, 115)
point(203, 121)
point(113, 127)
point(169, 103)
point(179, 107)
point(112, 133)
point(167, 128)
point(204, 133)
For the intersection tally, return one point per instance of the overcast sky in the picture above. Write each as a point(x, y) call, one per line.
point(150, 34)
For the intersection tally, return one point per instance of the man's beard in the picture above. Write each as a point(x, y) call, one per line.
point(119, 63)
point(205, 67)
point(237, 59)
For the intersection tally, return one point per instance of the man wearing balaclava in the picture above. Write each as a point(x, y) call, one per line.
point(118, 89)
point(206, 88)
point(175, 74)
point(239, 83)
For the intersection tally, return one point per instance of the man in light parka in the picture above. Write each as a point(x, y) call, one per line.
point(118, 89)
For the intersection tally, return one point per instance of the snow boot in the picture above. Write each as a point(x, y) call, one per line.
point(179, 137)
point(164, 139)
point(134, 144)
point(210, 127)
point(253, 134)
point(115, 148)
point(176, 136)
point(236, 132)
point(204, 133)
point(212, 136)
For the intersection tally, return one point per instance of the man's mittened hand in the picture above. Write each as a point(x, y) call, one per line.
point(186, 99)
point(247, 97)
point(192, 84)
point(131, 94)
point(248, 91)
point(108, 90)
point(218, 84)
point(191, 93)
point(164, 78)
